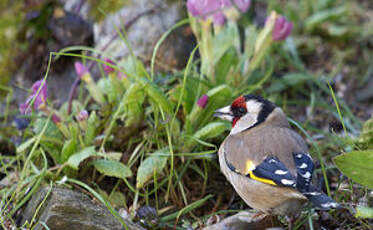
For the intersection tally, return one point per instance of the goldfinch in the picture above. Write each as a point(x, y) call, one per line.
point(268, 163)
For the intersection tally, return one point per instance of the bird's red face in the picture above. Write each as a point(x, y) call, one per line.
point(238, 108)
point(246, 111)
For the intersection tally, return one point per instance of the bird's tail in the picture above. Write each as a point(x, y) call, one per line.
point(305, 167)
point(320, 200)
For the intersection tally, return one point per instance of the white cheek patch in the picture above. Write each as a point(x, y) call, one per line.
point(244, 123)
point(253, 107)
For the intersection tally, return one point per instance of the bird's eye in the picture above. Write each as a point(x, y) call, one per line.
point(242, 110)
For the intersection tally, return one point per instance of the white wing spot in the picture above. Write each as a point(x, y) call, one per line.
point(329, 204)
point(287, 182)
point(306, 175)
point(303, 166)
point(272, 161)
point(281, 172)
point(299, 155)
point(312, 193)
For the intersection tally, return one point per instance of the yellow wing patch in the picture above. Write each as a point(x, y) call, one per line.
point(250, 166)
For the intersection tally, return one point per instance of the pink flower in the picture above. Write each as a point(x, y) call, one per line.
point(218, 19)
point(242, 5)
point(281, 29)
point(107, 68)
point(202, 8)
point(214, 8)
point(40, 98)
point(80, 69)
point(202, 101)
point(206, 8)
point(82, 115)
point(56, 119)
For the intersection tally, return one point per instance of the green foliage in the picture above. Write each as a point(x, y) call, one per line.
point(68, 149)
point(213, 129)
point(364, 212)
point(112, 168)
point(366, 135)
point(357, 165)
point(77, 158)
point(152, 164)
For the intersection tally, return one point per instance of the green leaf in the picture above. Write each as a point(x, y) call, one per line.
point(357, 165)
point(106, 87)
point(366, 135)
point(133, 100)
point(112, 168)
point(325, 15)
point(225, 39)
point(226, 63)
point(364, 212)
point(51, 130)
point(288, 80)
point(211, 130)
point(77, 158)
point(155, 162)
point(26, 145)
point(157, 95)
point(91, 129)
point(218, 97)
point(68, 149)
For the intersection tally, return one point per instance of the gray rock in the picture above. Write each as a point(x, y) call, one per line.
point(244, 220)
point(67, 209)
point(157, 16)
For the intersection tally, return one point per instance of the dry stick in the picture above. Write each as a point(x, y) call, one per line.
point(90, 66)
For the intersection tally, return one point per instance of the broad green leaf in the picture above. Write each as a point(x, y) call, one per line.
point(133, 66)
point(225, 39)
point(357, 165)
point(364, 212)
point(112, 168)
point(226, 63)
point(106, 87)
point(77, 158)
point(76, 107)
point(157, 95)
point(325, 15)
point(288, 80)
point(51, 131)
point(366, 135)
point(155, 162)
point(93, 89)
point(218, 97)
point(68, 149)
point(133, 100)
point(25, 145)
point(211, 130)
point(91, 129)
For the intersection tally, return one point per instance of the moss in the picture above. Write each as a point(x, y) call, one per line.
point(104, 7)
point(11, 17)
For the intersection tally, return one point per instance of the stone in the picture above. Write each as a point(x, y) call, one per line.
point(68, 209)
point(147, 21)
point(244, 220)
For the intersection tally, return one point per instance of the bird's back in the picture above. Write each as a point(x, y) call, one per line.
point(257, 143)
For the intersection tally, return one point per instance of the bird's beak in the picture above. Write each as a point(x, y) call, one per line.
point(224, 113)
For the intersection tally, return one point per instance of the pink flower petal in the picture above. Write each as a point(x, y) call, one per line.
point(242, 5)
point(108, 69)
point(281, 29)
point(202, 101)
point(80, 69)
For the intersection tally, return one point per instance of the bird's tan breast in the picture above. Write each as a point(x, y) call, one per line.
point(256, 145)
